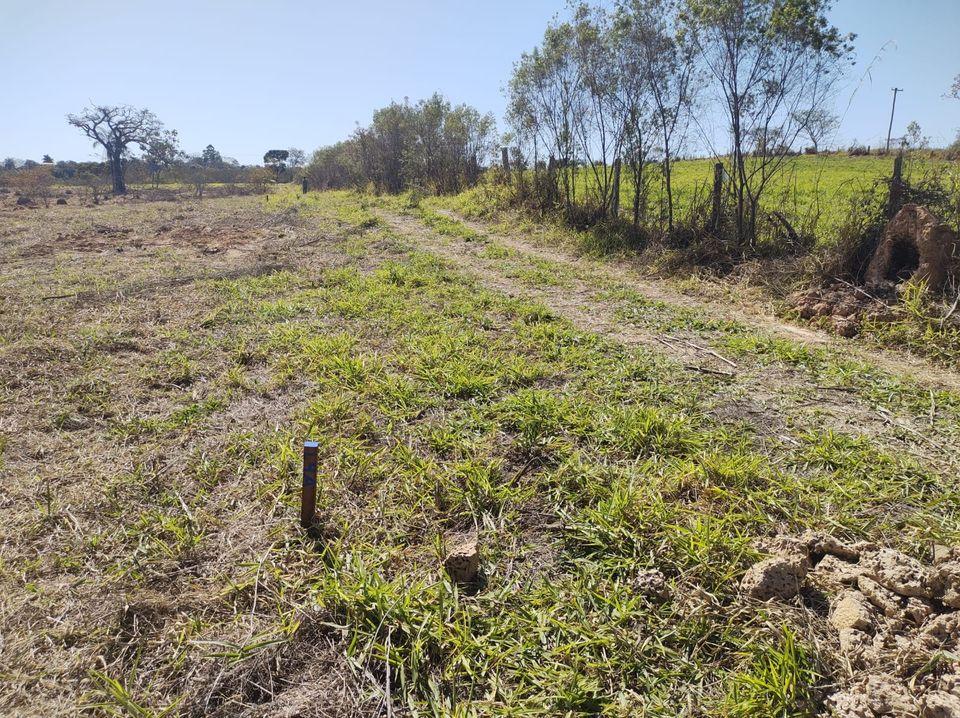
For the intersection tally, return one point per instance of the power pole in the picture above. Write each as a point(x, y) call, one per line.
point(892, 109)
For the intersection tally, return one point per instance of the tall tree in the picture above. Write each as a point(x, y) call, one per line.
point(667, 66)
point(277, 161)
point(772, 61)
point(161, 153)
point(115, 128)
point(210, 157)
point(817, 123)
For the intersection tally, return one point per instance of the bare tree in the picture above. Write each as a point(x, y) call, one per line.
point(115, 128)
point(817, 124)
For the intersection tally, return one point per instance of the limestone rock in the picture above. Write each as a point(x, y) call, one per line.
point(851, 610)
point(463, 562)
point(900, 573)
point(777, 577)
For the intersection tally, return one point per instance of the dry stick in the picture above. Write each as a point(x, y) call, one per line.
point(694, 367)
point(949, 314)
point(705, 349)
point(865, 293)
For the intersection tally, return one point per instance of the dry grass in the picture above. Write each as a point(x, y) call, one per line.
point(161, 362)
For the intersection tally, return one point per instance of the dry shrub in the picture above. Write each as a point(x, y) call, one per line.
point(33, 184)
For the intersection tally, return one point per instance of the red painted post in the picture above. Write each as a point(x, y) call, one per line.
point(308, 492)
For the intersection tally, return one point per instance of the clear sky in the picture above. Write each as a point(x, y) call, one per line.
point(248, 76)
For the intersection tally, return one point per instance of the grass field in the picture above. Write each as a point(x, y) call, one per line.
point(161, 364)
point(817, 193)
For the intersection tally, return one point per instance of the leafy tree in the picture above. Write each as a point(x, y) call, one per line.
point(115, 128)
point(210, 157)
point(296, 157)
point(954, 91)
point(915, 138)
point(47, 160)
point(667, 69)
point(10, 163)
point(161, 153)
point(277, 161)
point(773, 61)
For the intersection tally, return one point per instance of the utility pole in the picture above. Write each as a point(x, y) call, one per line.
point(892, 109)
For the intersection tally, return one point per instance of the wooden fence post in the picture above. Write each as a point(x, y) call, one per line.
point(895, 198)
point(505, 156)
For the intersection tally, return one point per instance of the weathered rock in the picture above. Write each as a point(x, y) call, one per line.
point(888, 697)
point(652, 584)
point(853, 644)
point(850, 704)
point(851, 610)
point(819, 543)
point(940, 704)
point(900, 573)
point(463, 562)
point(941, 631)
point(61, 201)
point(833, 573)
point(917, 610)
point(889, 603)
point(914, 232)
point(776, 577)
point(948, 574)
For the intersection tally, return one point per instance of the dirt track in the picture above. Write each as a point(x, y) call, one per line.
point(768, 395)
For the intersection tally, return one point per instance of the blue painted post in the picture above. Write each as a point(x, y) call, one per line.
point(308, 492)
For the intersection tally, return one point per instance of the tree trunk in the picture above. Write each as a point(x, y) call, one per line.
point(116, 173)
point(615, 190)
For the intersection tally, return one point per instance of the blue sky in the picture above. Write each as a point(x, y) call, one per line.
point(247, 76)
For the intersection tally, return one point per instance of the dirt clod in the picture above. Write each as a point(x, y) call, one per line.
point(463, 562)
point(851, 610)
point(777, 577)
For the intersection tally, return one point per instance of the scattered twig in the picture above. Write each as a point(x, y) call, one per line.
point(705, 370)
point(58, 296)
point(865, 293)
point(949, 314)
point(707, 350)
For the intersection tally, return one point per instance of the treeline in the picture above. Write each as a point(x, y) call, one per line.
point(432, 145)
point(613, 96)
